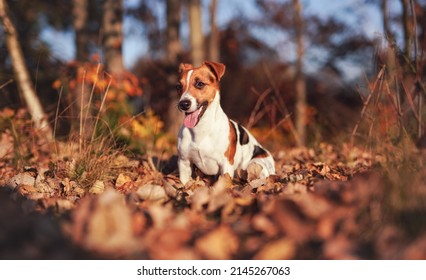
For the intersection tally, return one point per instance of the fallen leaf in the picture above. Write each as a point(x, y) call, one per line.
point(253, 171)
point(6, 145)
point(109, 224)
point(161, 215)
point(339, 248)
point(283, 249)
point(219, 244)
point(265, 225)
point(200, 199)
point(21, 179)
point(97, 188)
point(122, 179)
point(64, 205)
point(151, 192)
point(219, 195)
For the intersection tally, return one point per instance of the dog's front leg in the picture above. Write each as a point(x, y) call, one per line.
point(228, 168)
point(185, 170)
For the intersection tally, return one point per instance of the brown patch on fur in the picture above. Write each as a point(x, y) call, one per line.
point(218, 69)
point(205, 75)
point(232, 147)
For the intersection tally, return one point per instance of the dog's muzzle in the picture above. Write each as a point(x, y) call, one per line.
point(184, 105)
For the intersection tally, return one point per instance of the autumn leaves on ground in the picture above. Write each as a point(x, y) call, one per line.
point(100, 199)
point(88, 149)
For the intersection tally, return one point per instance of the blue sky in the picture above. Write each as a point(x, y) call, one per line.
point(355, 12)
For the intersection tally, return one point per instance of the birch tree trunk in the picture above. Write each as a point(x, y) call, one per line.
point(196, 36)
point(21, 73)
point(300, 86)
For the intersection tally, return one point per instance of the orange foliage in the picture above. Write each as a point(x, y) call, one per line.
point(93, 75)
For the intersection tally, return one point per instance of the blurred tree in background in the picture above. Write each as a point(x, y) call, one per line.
point(258, 42)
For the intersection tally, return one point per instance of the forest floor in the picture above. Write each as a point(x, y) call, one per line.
point(326, 202)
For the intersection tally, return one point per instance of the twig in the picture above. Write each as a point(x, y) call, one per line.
point(282, 107)
point(80, 140)
point(367, 101)
point(6, 83)
point(264, 137)
point(91, 95)
point(100, 110)
point(259, 101)
point(56, 118)
point(410, 100)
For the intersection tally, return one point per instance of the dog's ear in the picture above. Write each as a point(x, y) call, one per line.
point(218, 69)
point(184, 67)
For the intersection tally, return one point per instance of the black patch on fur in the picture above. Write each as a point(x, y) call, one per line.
point(259, 152)
point(244, 138)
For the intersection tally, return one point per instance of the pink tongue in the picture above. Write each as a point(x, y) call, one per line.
point(191, 119)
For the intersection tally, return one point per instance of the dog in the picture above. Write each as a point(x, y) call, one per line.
point(208, 139)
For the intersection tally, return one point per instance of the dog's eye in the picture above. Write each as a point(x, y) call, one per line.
point(199, 84)
point(179, 87)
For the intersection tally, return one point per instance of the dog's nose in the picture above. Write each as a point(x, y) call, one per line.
point(185, 104)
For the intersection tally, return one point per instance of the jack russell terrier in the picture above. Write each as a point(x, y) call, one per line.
point(211, 141)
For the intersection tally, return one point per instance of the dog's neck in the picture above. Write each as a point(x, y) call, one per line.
point(213, 116)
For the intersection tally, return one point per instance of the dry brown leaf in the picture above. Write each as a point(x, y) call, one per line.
point(139, 223)
point(416, 250)
point(283, 249)
point(6, 145)
point(257, 183)
point(219, 195)
point(253, 171)
point(122, 179)
point(64, 205)
point(169, 188)
point(151, 192)
point(262, 223)
point(295, 188)
point(389, 243)
point(21, 179)
point(326, 227)
point(66, 186)
point(290, 219)
point(312, 205)
point(161, 215)
point(219, 244)
point(170, 243)
point(109, 226)
point(98, 187)
point(340, 248)
point(200, 198)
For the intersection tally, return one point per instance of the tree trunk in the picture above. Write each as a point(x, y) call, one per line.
point(81, 109)
point(112, 24)
point(80, 14)
point(21, 73)
point(300, 86)
point(172, 31)
point(173, 49)
point(214, 53)
point(196, 33)
point(406, 24)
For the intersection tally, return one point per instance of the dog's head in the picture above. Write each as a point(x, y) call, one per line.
point(197, 88)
